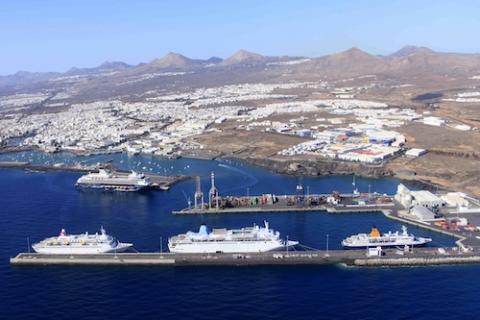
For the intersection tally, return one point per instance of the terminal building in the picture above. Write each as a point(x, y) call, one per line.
point(421, 198)
point(422, 213)
point(426, 199)
point(421, 204)
point(456, 199)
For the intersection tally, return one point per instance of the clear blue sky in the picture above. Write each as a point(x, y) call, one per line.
point(56, 35)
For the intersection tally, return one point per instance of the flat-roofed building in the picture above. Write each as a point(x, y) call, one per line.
point(415, 152)
point(426, 199)
point(422, 213)
point(455, 199)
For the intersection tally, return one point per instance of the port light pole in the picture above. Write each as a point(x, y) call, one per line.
point(287, 245)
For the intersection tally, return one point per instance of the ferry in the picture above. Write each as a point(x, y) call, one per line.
point(80, 244)
point(390, 239)
point(104, 179)
point(244, 240)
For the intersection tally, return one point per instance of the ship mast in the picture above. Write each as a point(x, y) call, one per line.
point(355, 190)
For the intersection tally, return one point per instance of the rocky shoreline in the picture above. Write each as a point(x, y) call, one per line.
point(315, 168)
point(311, 168)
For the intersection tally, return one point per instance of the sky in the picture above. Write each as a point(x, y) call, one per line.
point(53, 35)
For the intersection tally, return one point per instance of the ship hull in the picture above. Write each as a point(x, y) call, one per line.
point(228, 246)
point(108, 187)
point(113, 182)
point(121, 247)
point(420, 243)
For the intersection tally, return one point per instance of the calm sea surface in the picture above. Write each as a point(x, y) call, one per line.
point(37, 205)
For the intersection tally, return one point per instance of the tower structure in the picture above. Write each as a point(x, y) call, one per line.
point(213, 193)
point(198, 193)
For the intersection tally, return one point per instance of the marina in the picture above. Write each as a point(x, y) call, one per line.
point(302, 201)
point(145, 219)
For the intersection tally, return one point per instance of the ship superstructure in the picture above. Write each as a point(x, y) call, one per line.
point(84, 243)
point(391, 239)
point(221, 240)
point(105, 179)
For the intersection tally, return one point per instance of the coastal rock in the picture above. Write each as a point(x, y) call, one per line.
point(294, 167)
point(318, 167)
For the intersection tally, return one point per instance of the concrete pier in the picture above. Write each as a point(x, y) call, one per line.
point(268, 209)
point(391, 257)
point(173, 259)
point(283, 205)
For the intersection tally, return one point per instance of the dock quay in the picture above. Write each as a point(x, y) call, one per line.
point(200, 154)
point(299, 202)
point(452, 214)
point(159, 182)
point(390, 257)
point(165, 182)
point(281, 208)
point(290, 203)
point(391, 211)
point(12, 149)
point(42, 167)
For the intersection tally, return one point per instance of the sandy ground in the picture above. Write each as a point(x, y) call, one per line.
point(453, 160)
point(243, 143)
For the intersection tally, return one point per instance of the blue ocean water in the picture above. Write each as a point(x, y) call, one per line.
point(37, 205)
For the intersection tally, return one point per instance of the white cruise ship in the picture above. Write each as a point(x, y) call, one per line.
point(80, 244)
point(390, 239)
point(245, 240)
point(104, 179)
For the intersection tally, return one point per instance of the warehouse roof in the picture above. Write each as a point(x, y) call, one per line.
point(425, 196)
point(415, 152)
point(422, 213)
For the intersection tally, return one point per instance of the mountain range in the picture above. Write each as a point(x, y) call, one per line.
point(243, 66)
